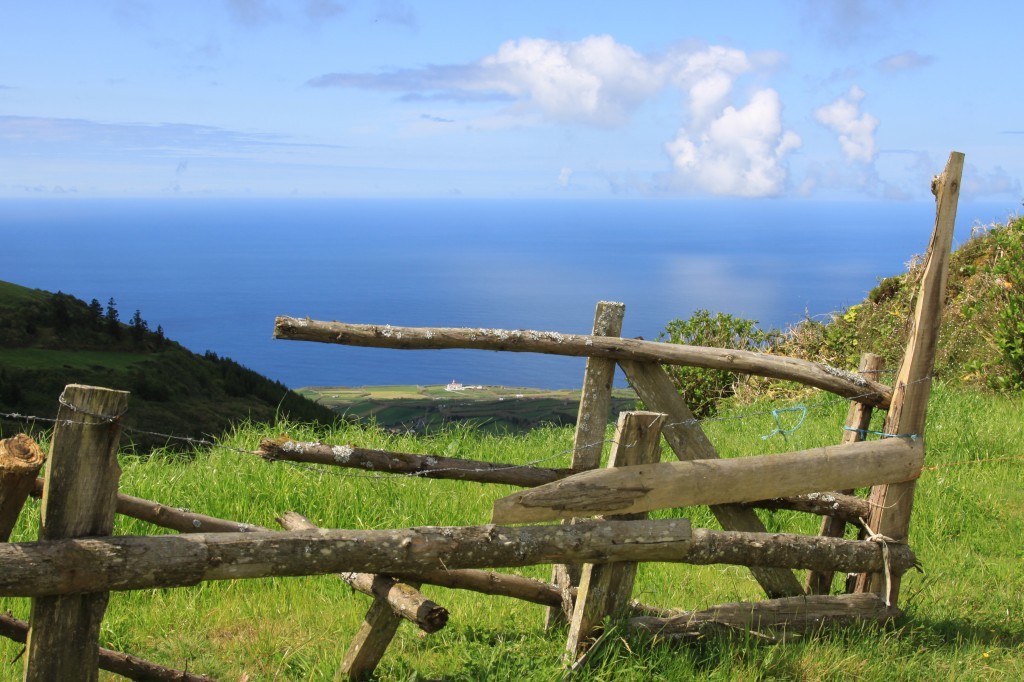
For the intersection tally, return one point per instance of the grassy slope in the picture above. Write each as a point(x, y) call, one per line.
point(965, 612)
point(173, 390)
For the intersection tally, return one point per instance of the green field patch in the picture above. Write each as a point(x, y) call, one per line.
point(43, 359)
point(429, 408)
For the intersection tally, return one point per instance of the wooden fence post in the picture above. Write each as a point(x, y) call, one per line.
point(858, 418)
point(605, 589)
point(588, 442)
point(892, 504)
point(688, 441)
point(79, 499)
point(20, 461)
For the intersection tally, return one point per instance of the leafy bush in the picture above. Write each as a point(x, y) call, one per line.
point(703, 389)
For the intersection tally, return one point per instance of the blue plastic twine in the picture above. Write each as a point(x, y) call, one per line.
point(779, 430)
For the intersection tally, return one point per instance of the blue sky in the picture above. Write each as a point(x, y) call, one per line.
point(382, 98)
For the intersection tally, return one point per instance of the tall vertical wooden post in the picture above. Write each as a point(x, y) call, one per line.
point(79, 499)
point(892, 504)
point(605, 589)
point(858, 419)
point(588, 443)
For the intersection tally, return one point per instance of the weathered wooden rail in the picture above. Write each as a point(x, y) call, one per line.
point(75, 564)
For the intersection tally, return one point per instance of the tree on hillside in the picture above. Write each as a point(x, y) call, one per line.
point(139, 329)
point(96, 314)
point(113, 319)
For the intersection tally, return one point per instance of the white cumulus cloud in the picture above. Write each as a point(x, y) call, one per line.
point(596, 80)
point(856, 131)
point(740, 152)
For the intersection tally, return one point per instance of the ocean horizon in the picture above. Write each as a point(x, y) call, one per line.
point(214, 273)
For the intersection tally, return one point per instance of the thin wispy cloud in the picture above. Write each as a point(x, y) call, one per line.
point(253, 12)
point(395, 12)
point(904, 61)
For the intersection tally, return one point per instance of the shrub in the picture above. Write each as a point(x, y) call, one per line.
point(703, 389)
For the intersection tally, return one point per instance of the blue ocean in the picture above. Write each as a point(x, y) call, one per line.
point(215, 273)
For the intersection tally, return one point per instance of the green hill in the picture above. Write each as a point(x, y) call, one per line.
point(981, 341)
point(50, 340)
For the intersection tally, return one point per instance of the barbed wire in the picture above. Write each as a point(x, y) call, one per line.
point(686, 423)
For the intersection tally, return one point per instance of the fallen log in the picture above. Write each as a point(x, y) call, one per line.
point(126, 665)
point(836, 381)
point(771, 618)
point(404, 600)
point(632, 489)
point(426, 466)
point(128, 563)
point(20, 461)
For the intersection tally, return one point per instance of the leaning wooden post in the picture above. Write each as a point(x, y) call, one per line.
point(588, 443)
point(858, 419)
point(892, 504)
point(20, 461)
point(689, 442)
point(605, 589)
point(79, 499)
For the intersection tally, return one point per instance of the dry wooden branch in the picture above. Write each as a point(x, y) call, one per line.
point(849, 508)
point(20, 461)
point(627, 490)
point(173, 518)
point(773, 617)
point(525, 341)
point(126, 665)
point(427, 466)
point(405, 601)
point(129, 563)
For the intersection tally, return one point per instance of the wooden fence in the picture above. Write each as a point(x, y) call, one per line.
point(69, 572)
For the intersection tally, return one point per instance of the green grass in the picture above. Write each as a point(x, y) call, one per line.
point(40, 358)
point(965, 613)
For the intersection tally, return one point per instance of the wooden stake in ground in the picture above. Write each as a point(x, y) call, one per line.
point(78, 500)
point(688, 442)
point(892, 504)
point(588, 442)
point(605, 589)
point(858, 419)
point(20, 461)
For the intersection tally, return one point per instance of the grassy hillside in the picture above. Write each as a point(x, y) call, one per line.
point(981, 341)
point(965, 612)
point(50, 340)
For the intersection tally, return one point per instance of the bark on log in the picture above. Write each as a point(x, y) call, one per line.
point(125, 665)
point(404, 600)
point(20, 461)
point(689, 442)
point(628, 490)
point(426, 466)
point(813, 374)
point(776, 616)
point(129, 563)
point(849, 508)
